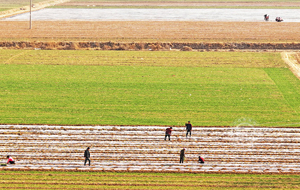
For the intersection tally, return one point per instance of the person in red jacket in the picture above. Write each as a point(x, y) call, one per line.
point(201, 160)
point(168, 133)
point(10, 160)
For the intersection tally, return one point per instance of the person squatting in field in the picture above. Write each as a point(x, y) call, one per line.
point(188, 128)
point(87, 156)
point(10, 160)
point(182, 155)
point(201, 160)
point(168, 133)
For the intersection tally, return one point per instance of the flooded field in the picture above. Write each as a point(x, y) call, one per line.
point(249, 15)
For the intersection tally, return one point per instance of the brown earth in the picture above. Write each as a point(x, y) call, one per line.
point(153, 31)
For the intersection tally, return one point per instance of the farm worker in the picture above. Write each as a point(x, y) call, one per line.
point(87, 156)
point(182, 155)
point(168, 133)
point(10, 160)
point(188, 128)
point(266, 17)
point(201, 160)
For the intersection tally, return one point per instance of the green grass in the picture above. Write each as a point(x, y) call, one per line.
point(3, 9)
point(146, 88)
point(107, 180)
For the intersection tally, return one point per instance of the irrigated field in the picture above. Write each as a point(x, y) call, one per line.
point(147, 88)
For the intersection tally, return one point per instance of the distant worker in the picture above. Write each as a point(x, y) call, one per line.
point(278, 19)
point(10, 160)
point(266, 17)
point(188, 128)
point(201, 160)
point(87, 156)
point(168, 133)
point(182, 155)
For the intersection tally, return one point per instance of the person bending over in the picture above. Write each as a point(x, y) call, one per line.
point(10, 160)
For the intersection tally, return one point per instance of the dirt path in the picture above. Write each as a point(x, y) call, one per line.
point(293, 64)
point(37, 6)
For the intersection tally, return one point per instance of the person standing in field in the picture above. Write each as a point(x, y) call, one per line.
point(10, 160)
point(168, 133)
point(87, 156)
point(182, 155)
point(188, 128)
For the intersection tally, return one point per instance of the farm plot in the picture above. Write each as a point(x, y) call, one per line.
point(177, 4)
point(16, 3)
point(15, 7)
point(138, 180)
point(143, 148)
point(150, 31)
point(146, 88)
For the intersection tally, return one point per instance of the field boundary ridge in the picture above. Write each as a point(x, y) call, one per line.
point(148, 46)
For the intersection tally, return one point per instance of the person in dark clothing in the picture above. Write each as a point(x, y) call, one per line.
point(201, 160)
point(87, 156)
point(278, 19)
point(188, 128)
point(266, 17)
point(182, 155)
point(168, 133)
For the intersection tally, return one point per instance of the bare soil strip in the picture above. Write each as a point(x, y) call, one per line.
point(153, 31)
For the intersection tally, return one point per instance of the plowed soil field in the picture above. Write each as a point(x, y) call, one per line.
point(153, 31)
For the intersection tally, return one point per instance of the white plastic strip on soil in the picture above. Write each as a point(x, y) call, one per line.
point(143, 148)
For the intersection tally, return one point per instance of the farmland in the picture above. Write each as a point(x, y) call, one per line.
point(141, 88)
point(16, 3)
point(192, 4)
point(150, 31)
point(86, 180)
point(244, 104)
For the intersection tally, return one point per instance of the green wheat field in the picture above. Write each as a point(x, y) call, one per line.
point(146, 88)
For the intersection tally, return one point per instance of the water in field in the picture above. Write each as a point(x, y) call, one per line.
point(288, 15)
